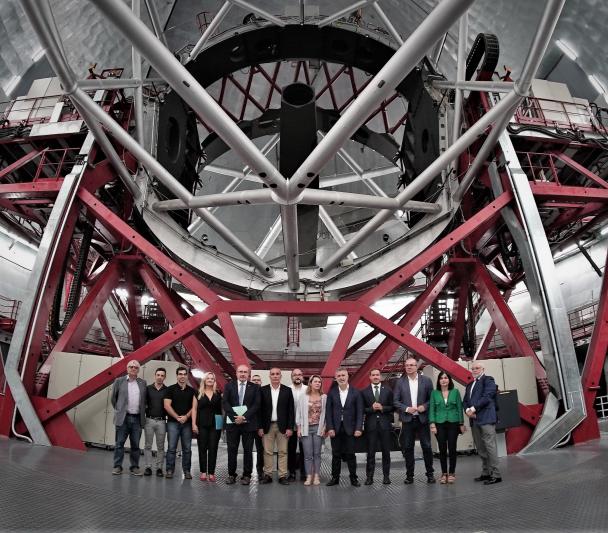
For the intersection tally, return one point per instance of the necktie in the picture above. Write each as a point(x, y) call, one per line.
point(241, 393)
point(376, 393)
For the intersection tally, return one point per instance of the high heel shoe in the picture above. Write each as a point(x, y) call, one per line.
point(308, 480)
point(444, 479)
point(203, 476)
point(316, 480)
point(451, 478)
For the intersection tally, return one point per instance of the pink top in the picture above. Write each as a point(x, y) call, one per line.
point(314, 412)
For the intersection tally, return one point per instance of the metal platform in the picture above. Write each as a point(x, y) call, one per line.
point(54, 489)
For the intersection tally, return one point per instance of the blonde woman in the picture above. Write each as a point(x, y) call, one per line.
point(206, 408)
point(310, 421)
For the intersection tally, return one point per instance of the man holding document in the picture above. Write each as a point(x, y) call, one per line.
point(241, 403)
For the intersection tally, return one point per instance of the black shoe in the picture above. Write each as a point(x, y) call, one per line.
point(354, 482)
point(231, 480)
point(265, 480)
point(483, 477)
point(283, 481)
point(245, 480)
point(187, 475)
point(408, 480)
point(159, 473)
point(492, 480)
point(369, 481)
point(386, 480)
point(148, 471)
point(169, 474)
point(430, 478)
point(292, 477)
point(333, 481)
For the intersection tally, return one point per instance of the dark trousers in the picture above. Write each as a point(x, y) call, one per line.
point(409, 430)
point(343, 448)
point(233, 437)
point(373, 436)
point(259, 453)
point(295, 461)
point(447, 435)
point(208, 439)
point(131, 428)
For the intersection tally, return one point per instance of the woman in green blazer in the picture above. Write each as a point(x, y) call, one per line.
point(447, 422)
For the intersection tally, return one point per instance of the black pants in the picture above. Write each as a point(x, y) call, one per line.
point(295, 461)
point(208, 440)
point(447, 435)
point(259, 451)
point(409, 430)
point(343, 448)
point(233, 437)
point(384, 436)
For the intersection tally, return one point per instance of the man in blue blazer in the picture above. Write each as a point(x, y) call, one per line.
point(344, 423)
point(378, 408)
point(411, 398)
point(479, 405)
point(241, 393)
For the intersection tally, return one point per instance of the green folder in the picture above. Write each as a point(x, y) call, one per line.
point(219, 422)
point(238, 410)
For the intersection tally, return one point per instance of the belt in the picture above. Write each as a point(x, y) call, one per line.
point(157, 417)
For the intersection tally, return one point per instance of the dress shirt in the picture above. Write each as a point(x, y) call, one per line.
point(343, 394)
point(297, 392)
point(414, 392)
point(242, 389)
point(275, 400)
point(472, 409)
point(133, 402)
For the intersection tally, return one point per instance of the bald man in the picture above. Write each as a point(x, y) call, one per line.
point(479, 405)
point(245, 395)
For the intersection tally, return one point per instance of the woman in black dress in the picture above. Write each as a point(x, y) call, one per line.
point(206, 424)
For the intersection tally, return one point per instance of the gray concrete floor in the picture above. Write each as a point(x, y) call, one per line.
point(53, 489)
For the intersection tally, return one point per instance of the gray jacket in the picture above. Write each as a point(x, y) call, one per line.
point(120, 400)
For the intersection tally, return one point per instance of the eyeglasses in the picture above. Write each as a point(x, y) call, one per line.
point(133, 366)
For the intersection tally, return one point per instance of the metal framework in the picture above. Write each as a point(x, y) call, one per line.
point(471, 259)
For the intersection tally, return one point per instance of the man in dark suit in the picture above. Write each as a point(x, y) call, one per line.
point(479, 405)
point(129, 402)
point(245, 396)
point(411, 399)
point(277, 417)
point(378, 408)
point(344, 423)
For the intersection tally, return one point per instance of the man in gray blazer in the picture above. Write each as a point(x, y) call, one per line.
point(411, 398)
point(129, 402)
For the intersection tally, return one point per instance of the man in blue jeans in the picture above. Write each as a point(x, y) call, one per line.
point(178, 404)
point(129, 402)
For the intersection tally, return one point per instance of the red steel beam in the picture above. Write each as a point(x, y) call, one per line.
point(457, 331)
point(568, 193)
point(254, 358)
point(109, 335)
point(52, 408)
point(31, 189)
point(112, 222)
point(580, 169)
point(385, 351)
point(339, 349)
point(134, 309)
point(232, 339)
point(484, 218)
point(175, 314)
point(16, 165)
point(594, 366)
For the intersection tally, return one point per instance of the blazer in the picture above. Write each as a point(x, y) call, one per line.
point(482, 399)
point(440, 411)
point(302, 415)
point(375, 419)
point(251, 400)
point(286, 414)
point(206, 409)
point(120, 400)
point(402, 398)
point(350, 416)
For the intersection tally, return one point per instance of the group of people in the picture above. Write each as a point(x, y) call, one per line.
point(282, 417)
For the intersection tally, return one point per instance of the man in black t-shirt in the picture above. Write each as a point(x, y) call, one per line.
point(178, 404)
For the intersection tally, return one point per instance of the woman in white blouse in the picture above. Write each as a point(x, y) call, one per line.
point(310, 421)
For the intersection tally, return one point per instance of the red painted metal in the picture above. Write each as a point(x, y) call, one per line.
point(9, 169)
point(594, 366)
point(134, 309)
point(458, 317)
point(257, 361)
point(109, 335)
point(175, 314)
point(568, 193)
point(338, 352)
point(484, 218)
point(232, 339)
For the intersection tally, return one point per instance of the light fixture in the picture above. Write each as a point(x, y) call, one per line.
point(566, 49)
point(597, 84)
point(121, 293)
point(198, 373)
point(604, 230)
